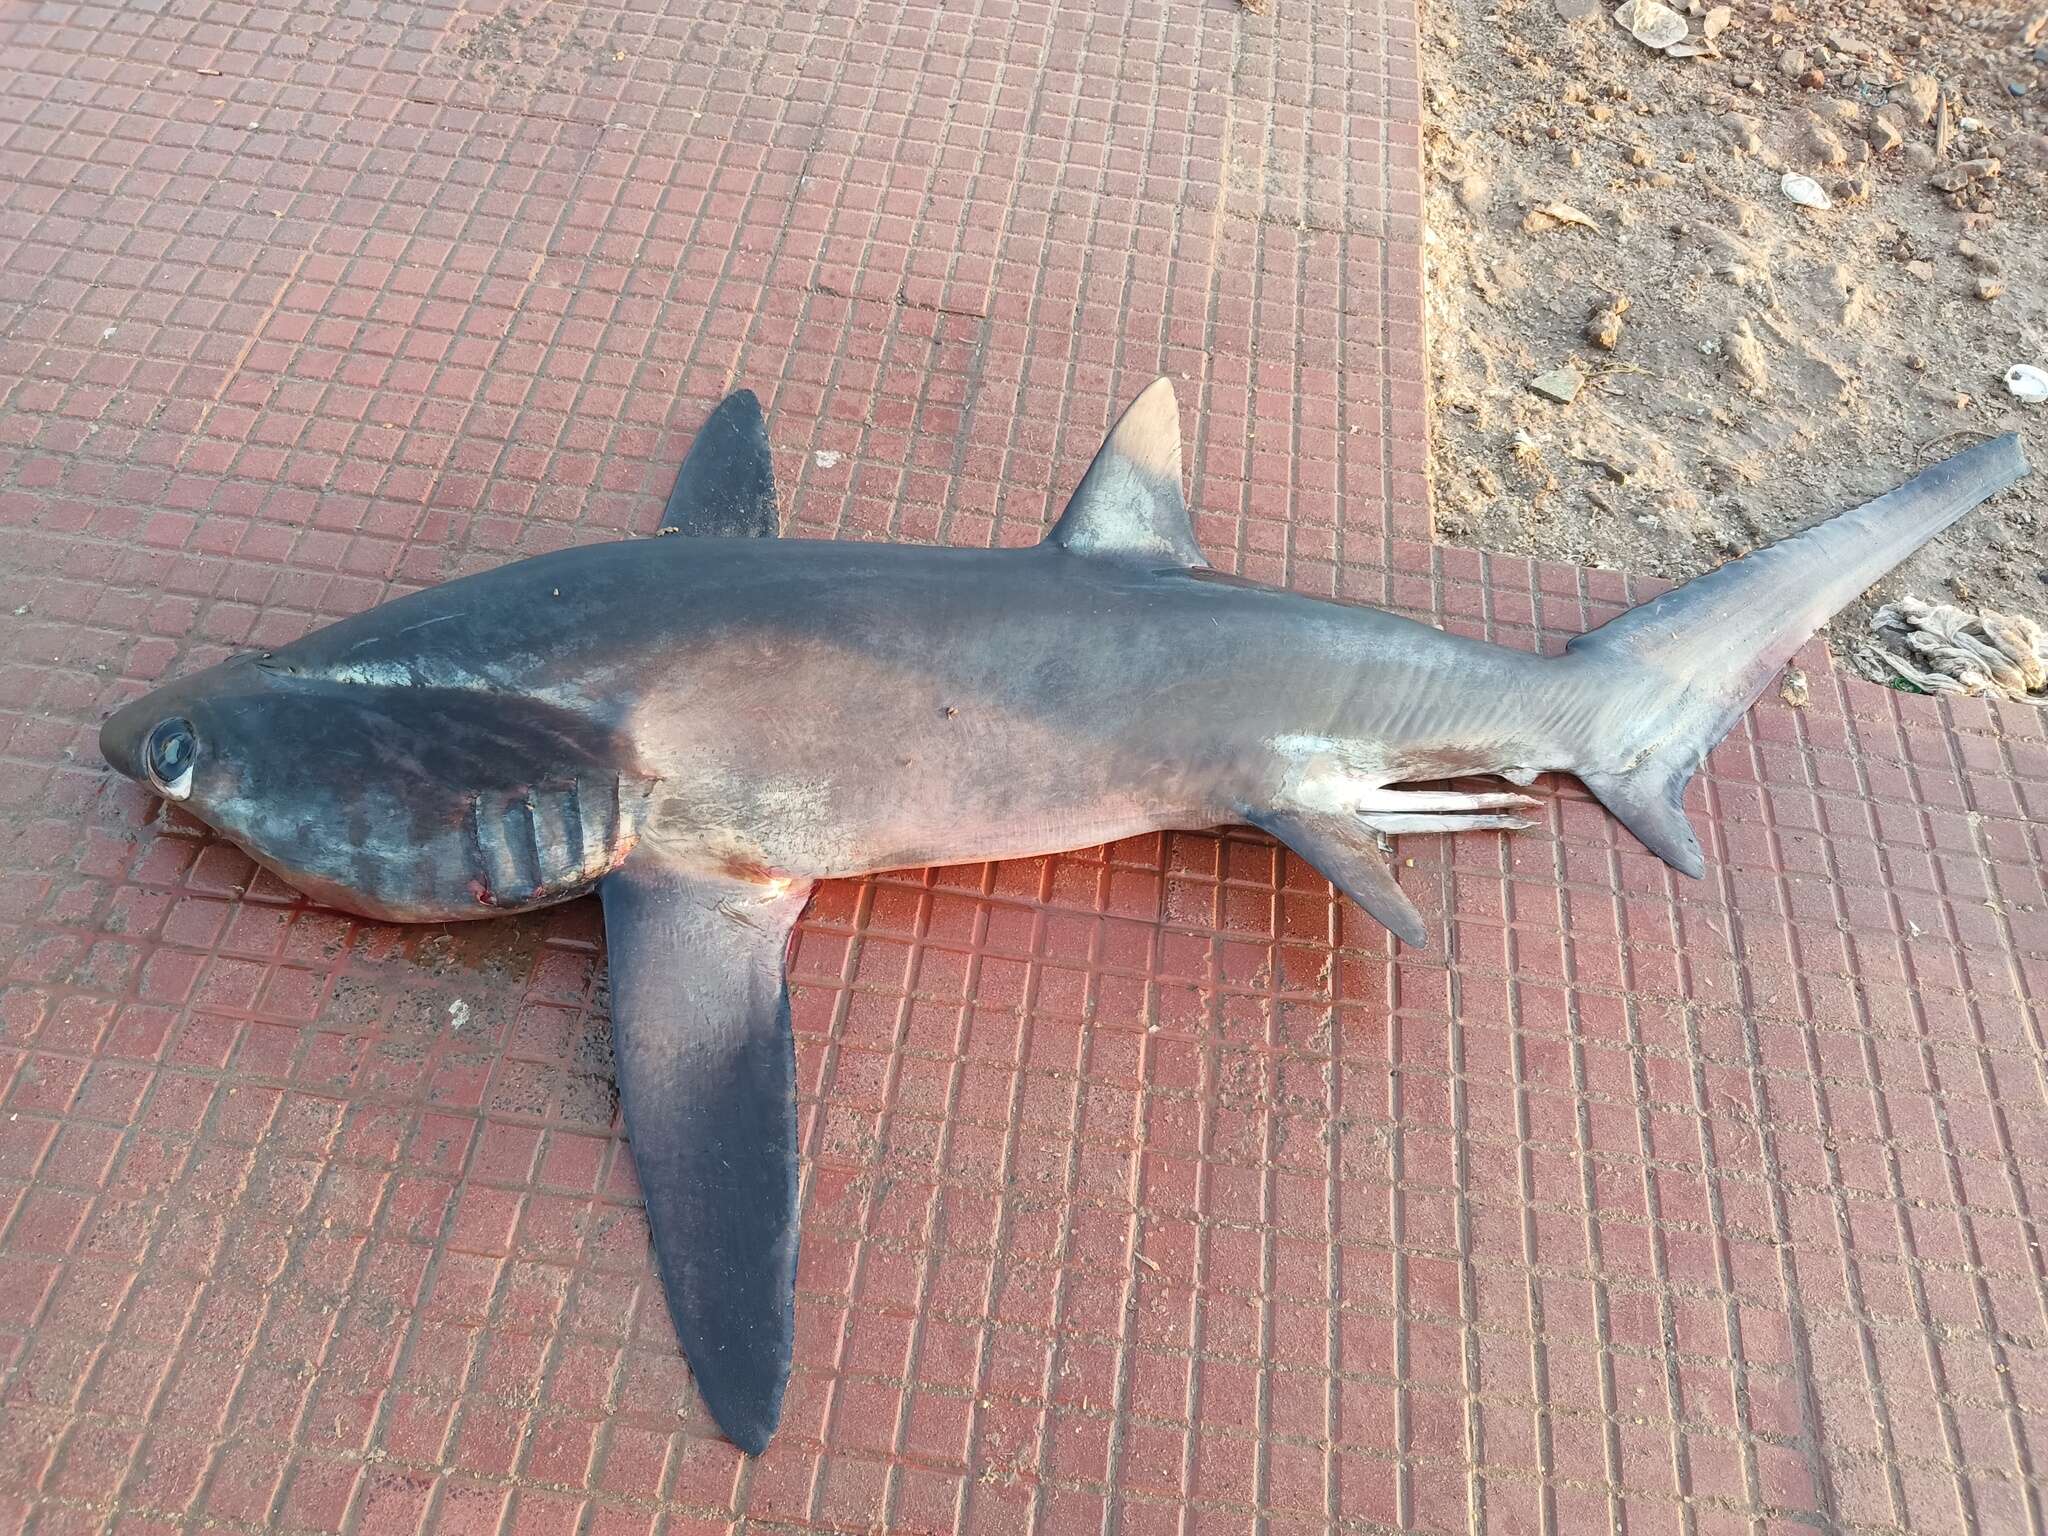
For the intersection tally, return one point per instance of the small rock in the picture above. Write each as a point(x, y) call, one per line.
point(1795, 690)
point(1576, 10)
point(1923, 270)
point(1641, 155)
point(1560, 384)
point(1792, 63)
point(1603, 325)
point(1822, 144)
point(1474, 192)
point(1920, 157)
point(1957, 177)
point(1715, 22)
point(1814, 79)
point(1916, 362)
point(1744, 133)
point(1745, 355)
point(1884, 135)
point(1980, 259)
point(1988, 287)
point(1960, 585)
point(1919, 95)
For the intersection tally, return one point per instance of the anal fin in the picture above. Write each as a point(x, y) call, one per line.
point(1345, 852)
point(707, 1078)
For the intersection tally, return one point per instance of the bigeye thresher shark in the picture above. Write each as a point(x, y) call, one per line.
point(699, 728)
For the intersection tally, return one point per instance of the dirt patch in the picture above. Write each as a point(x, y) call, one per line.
point(538, 46)
point(1647, 356)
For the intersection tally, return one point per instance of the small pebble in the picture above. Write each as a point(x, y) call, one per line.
point(1919, 95)
point(1822, 144)
point(1603, 325)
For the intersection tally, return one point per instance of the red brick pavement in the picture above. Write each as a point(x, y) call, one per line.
point(1145, 1189)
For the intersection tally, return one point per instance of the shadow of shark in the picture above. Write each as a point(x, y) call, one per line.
point(701, 727)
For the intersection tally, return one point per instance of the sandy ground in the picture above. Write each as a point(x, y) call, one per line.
point(1758, 364)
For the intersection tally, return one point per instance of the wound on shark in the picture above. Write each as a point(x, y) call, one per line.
point(699, 728)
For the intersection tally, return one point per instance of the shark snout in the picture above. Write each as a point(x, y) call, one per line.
point(125, 731)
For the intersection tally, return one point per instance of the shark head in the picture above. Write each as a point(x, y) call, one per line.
point(379, 795)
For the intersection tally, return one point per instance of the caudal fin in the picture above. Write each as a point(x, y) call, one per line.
point(1680, 670)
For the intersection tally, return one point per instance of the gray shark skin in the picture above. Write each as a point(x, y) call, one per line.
point(700, 727)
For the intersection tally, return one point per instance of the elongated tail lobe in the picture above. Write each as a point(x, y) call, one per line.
point(1680, 670)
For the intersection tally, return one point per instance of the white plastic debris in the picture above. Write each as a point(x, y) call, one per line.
point(2023, 381)
point(1805, 191)
point(827, 457)
point(1651, 23)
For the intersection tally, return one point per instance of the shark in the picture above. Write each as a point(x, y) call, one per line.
point(699, 727)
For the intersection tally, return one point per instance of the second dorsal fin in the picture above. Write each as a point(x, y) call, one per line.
point(1129, 505)
point(726, 487)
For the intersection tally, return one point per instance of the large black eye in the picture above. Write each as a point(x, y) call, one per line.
point(172, 746)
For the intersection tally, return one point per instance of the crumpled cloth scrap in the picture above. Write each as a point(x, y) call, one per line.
point(1939, 648)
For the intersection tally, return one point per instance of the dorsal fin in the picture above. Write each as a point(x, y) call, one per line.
point(1129, 504)
point(726, 487)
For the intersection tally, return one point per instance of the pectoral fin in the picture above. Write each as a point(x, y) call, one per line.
point(707, 1077)
point(1345, 852)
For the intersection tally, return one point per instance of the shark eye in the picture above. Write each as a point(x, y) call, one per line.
point(168, 757)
